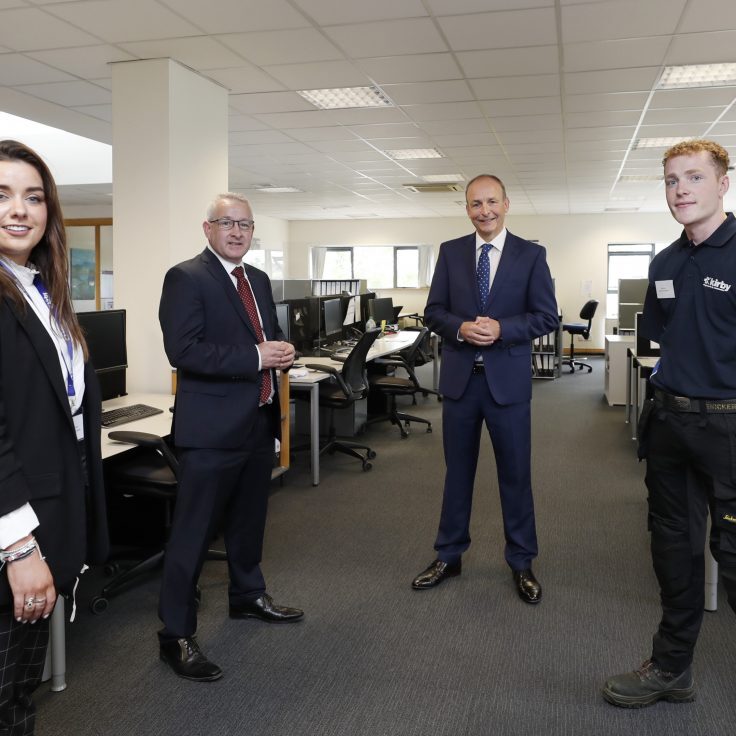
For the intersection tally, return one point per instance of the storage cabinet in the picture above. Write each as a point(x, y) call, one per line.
point(547, 355)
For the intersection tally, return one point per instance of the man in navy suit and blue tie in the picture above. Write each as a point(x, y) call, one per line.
point(491, 295)
point(221, 334)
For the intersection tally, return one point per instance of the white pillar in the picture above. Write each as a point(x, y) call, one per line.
point(170, 129)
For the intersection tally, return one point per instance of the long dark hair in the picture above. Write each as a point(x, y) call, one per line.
point(50, 256)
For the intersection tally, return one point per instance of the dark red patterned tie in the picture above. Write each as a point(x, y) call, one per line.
point(249, 302)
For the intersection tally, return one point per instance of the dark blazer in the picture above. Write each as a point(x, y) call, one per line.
point(522, 299)
point(209, 339)
point(39, 459)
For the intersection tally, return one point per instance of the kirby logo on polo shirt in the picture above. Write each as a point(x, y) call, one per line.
point(716, 284)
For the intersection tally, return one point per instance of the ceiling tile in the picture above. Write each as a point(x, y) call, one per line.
point(256, 137)
point(101, 112)
point(282, 47)
point(86, 61)
point(19, 69)
point(466, 139)
point(28, 29)
point(450, 127)
point(269, 102)
point(708, 97)
point(197, 52)
point(114, 21)
point(607, 117)
point(456, 7)
point(410, 68)
point(526, 106)
point(333, 133)
point(614, 80)
point(522, 61)
point(244, 79)
point(387, 38)
point(708, 15)
point(389, 130)
point(702, 48)
point(527, 122)
point(605, 101)
point(329, 12)
point(704, 115)
point(419, 93)
point(319, 75)
point(442, 111)
point(619, 19)
point(503, 29)
point(235, 16)
point(622, 53)
point(499, 88)
point(72, 94)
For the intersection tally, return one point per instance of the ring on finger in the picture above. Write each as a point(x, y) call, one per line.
point(30, 603)
point(39, 601)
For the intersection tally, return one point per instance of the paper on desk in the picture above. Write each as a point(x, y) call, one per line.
point(298, 372)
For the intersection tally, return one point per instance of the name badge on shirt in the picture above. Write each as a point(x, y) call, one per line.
point(665, 289)
point(79, 426)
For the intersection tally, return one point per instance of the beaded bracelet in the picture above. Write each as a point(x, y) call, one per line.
point(19, 553)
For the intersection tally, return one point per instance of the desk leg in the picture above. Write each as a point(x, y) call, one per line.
point(314, 431)
point(636, 378)
point(629, 369)
point(57, 645)
point(711, 578)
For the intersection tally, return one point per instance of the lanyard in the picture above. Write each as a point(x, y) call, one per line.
point(43, 291)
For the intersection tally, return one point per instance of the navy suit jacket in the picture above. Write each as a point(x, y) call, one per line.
point(210, 340)
point(522, 299)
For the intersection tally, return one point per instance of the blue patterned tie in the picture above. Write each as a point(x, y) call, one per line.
point(484, 275)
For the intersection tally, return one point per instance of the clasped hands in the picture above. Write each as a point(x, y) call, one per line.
point(482, 332)
point(276, 354)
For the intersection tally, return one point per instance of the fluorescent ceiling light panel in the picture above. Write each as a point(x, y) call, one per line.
point(279, 190)
point(444, 177)
point(698, 75)
point(73, 160)
point(346, 97)
point(658, 142)
point(413, 153)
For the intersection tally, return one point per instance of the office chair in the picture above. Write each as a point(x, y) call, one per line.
point(390, 385)
point(578, 328)
point(150, 471)
point(347, 385)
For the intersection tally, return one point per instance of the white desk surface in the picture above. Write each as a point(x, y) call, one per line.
point(159, 424)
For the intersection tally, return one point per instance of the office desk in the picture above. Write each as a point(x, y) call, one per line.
point(159, 424)
point(380, 348)
point(639, 369)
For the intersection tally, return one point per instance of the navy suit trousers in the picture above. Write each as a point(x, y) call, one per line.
point(510, 431)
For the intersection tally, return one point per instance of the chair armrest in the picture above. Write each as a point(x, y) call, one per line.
point(334, 373)
point(143, 439)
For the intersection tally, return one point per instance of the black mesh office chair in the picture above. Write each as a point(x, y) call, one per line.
point(343, 389)
point(390, 385)
point(148, 471)
point(578, 328)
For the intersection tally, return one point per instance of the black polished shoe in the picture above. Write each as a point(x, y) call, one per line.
point(527, 586)
point(436, 573)
point(265, 609)
point(184, 657)
point(649, 684)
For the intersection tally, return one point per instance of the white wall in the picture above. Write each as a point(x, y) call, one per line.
point(576, 248)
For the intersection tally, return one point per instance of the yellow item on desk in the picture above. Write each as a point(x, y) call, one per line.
point(383, 327)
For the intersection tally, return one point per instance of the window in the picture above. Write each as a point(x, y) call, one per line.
point(382, 266)
point(627, 261)
point(270, 261)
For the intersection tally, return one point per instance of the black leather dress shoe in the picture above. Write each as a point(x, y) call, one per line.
point(528, 587)
point(436, 573)
point(184, 657)
point(265, 609)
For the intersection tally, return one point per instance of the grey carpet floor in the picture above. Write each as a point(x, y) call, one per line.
point(374, 657)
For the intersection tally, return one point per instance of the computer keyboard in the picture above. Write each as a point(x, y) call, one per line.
point(123, 414)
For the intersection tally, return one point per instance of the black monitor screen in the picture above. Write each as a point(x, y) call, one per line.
point(382, 309)
point(105, 334)
point(282, 315)
point(333, 317)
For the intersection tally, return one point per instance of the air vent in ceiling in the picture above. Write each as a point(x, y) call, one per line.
point(434, 187)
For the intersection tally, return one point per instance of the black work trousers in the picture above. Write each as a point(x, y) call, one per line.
point(691, 468)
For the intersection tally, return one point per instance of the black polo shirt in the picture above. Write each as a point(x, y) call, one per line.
point(690, 310)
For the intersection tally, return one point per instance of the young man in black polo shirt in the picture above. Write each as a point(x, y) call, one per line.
point(690, 437)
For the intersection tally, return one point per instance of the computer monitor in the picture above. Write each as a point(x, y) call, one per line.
point(282, 315)
point(333, 319)
point(105, 335)
point(382, 309)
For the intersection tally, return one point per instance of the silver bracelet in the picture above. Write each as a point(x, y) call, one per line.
point(19, 553)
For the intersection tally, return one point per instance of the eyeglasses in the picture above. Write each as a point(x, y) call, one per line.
point(225, 223)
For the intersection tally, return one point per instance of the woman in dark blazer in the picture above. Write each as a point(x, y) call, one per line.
point(52, 513)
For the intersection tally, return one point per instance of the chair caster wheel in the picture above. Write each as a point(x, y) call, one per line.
point(429, 430)
point(370, 454)
point(367, 466)
point(404, 434)
point(98, 605)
